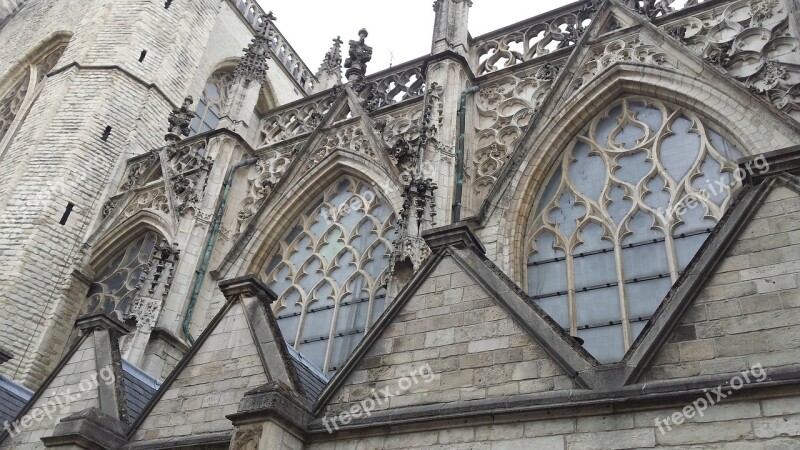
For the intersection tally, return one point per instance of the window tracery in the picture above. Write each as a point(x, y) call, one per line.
point(329, 270)
point(214, 98)
point(134, 280)
point(625, 211)
point(20, 96)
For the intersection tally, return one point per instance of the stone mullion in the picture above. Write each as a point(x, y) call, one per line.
point(623, 299)
point(573, 307)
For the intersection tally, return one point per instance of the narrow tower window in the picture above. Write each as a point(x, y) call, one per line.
point(167, 4)
point(142, 56)
point(67, 212)
point(106, 133)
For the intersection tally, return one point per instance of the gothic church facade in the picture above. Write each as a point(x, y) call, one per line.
point(579, 231)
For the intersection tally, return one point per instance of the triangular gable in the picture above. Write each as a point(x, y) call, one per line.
point(241, 349)
point(736, 298)
point(453, 284)
point(70, 384)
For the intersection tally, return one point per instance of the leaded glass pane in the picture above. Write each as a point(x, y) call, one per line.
point(329, 272)
point(623, 214)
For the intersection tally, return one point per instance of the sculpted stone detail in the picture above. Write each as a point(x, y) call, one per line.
point(180, 119)
point(531, 40)
point(504, 110)
point(360, 55)
point(154, 198)
point(752, 41)
point(253, 65)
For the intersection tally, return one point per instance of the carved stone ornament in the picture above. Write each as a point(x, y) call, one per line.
point(179, 120)
point(752, 42)
point(360, 55)
point(253, 65)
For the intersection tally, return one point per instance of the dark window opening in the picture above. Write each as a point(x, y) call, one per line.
point(142, 56)
point(167, 4)
point(67, 212)
point(106, 133)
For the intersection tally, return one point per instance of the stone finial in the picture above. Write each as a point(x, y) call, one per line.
point(333, 59)
point(330, 71)
point(360, 55)
point(253, 65)
point(179, 120)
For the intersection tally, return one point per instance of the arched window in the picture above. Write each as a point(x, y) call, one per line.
point(118, 280)
point(17, 100)
point(623, 214)
point(214, 97)
point(329, 270)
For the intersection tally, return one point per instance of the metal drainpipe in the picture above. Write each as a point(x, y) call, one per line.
point(200, 273)
point(462, 130)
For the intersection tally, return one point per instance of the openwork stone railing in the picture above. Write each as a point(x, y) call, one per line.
point(281, 48)
point(295, 119)
point(393, 86)
point(531, 39)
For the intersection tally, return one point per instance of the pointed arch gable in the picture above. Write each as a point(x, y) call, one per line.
point(762, 131)
point(288, 201)
point(110, 241)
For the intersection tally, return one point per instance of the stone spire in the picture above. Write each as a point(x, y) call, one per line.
point(450, 27)
point(253, 65)
point(330, 72)
point(360, 55)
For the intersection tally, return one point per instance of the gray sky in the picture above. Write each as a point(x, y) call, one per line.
point(398, 30)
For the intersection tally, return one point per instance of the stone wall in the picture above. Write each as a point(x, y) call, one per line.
point(754, 424)
point(210, 386)
point(65, 389)
point(470, 344)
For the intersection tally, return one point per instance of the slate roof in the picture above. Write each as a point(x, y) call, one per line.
point(312, 380)
point(139, 390)
point(13, 398)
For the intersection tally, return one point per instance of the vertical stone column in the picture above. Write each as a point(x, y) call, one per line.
point(106, 331)
point(448, 75)
point(450, 30)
